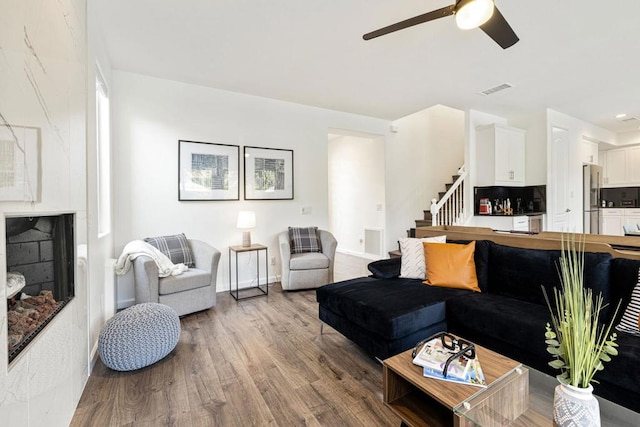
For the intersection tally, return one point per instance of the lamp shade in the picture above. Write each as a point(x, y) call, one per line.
point(246, 220)
point(473, 13)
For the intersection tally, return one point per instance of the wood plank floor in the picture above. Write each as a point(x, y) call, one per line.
point(261, 361)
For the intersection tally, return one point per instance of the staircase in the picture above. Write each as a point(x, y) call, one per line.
point(448, 209)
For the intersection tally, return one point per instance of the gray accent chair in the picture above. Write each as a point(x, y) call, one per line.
point(307, 270)
point(194, 290)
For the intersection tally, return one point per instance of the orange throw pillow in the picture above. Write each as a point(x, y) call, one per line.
point(450, 265)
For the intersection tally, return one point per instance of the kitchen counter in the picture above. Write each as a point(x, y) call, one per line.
point(515, 214)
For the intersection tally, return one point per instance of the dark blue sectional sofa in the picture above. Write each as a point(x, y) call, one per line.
point(385, 314)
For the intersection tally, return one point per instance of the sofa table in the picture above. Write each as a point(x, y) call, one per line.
point(252, 291)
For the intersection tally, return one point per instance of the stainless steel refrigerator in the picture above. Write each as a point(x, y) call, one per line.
point(591, 183)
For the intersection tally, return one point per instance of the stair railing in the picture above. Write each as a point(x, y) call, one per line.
point(449, 210)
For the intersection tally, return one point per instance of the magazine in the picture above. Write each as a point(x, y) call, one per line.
point(474, 375)
point(434, 356)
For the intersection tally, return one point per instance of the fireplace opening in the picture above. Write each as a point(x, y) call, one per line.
point(40, 274)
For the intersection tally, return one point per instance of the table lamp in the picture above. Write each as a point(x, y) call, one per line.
point(246, 221)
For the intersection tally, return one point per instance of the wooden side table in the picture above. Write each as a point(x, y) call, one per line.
point(421, 401)
point(252, 291)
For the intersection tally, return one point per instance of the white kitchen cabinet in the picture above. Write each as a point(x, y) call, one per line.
point(500, 152)
point(589, 152)
point(621, 167)
point(616, 167)
point(611, 221)
point(602, 159)
point(520, 223)
point(631, 217)
point(633, 165)
point(503, 223)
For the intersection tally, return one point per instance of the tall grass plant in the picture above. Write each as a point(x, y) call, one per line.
point(576, 338)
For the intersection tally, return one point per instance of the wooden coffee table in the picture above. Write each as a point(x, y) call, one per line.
point(421, 401)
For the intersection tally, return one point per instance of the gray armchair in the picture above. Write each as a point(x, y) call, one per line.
point(307, 270)
point(194, 290)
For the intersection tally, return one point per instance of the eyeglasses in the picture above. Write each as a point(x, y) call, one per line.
point(457, 346)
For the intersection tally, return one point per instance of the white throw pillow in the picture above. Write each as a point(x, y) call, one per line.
point(412, 264)
point(629, 321)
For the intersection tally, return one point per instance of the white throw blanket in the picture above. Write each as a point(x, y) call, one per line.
point(138, 248)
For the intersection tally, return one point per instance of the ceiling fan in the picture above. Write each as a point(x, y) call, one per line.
point(469, 14)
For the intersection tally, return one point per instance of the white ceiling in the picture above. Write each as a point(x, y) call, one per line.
point(579, 57)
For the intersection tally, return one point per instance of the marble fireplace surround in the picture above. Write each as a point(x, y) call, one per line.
point(46, 84)
point(40, 249)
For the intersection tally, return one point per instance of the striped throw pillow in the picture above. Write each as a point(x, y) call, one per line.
point(631, 316)
point(412, 264)
point(304, 239)
point(175, 247)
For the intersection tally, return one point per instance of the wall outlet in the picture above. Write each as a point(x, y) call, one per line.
point(273, 260)
point(306, 210)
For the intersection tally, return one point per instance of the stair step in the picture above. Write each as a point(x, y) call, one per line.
point(423, 223)
point(455, 177)
point(441, 194)
point(427, 215)
point(448, 186)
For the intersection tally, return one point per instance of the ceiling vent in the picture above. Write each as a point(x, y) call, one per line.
point(495, 89)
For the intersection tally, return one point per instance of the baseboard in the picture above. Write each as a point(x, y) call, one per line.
point(246, 284)
point(124, 303)
point(94, 357)
point(372, 257)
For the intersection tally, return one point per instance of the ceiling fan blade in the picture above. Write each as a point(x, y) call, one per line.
point(499, 30)
point(425, 17)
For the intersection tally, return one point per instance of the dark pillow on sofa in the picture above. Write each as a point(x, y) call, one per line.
point(520, 273)
point(386, 268)
point(175, 247)
point(481, 258)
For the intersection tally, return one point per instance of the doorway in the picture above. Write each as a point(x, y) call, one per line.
point(357, 192)
point(562, 218)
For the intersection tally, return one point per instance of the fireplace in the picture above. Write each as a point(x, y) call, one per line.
point(40, 274)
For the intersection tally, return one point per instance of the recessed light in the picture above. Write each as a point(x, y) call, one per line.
point(619, 116)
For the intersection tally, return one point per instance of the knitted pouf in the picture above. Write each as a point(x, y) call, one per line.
point(138, 336)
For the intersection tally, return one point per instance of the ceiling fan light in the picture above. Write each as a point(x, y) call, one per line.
point(473, 13)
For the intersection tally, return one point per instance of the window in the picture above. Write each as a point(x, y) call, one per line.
point(103, 151)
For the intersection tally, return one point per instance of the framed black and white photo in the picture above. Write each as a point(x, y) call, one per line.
point(208, 171)
point(268, 174)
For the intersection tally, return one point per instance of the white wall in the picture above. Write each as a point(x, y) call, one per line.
point(43, 85)
point(101, 295)
point(150, 115)
point(356, 189)
point(420, 159)
point(628, 138)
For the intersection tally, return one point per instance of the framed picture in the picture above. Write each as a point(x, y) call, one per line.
point(208, 171)
point(20, 173)
point(268, 174)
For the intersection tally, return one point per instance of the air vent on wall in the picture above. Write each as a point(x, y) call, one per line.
point(495, 89)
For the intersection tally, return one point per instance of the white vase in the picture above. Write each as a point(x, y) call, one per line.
point(575, 406)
